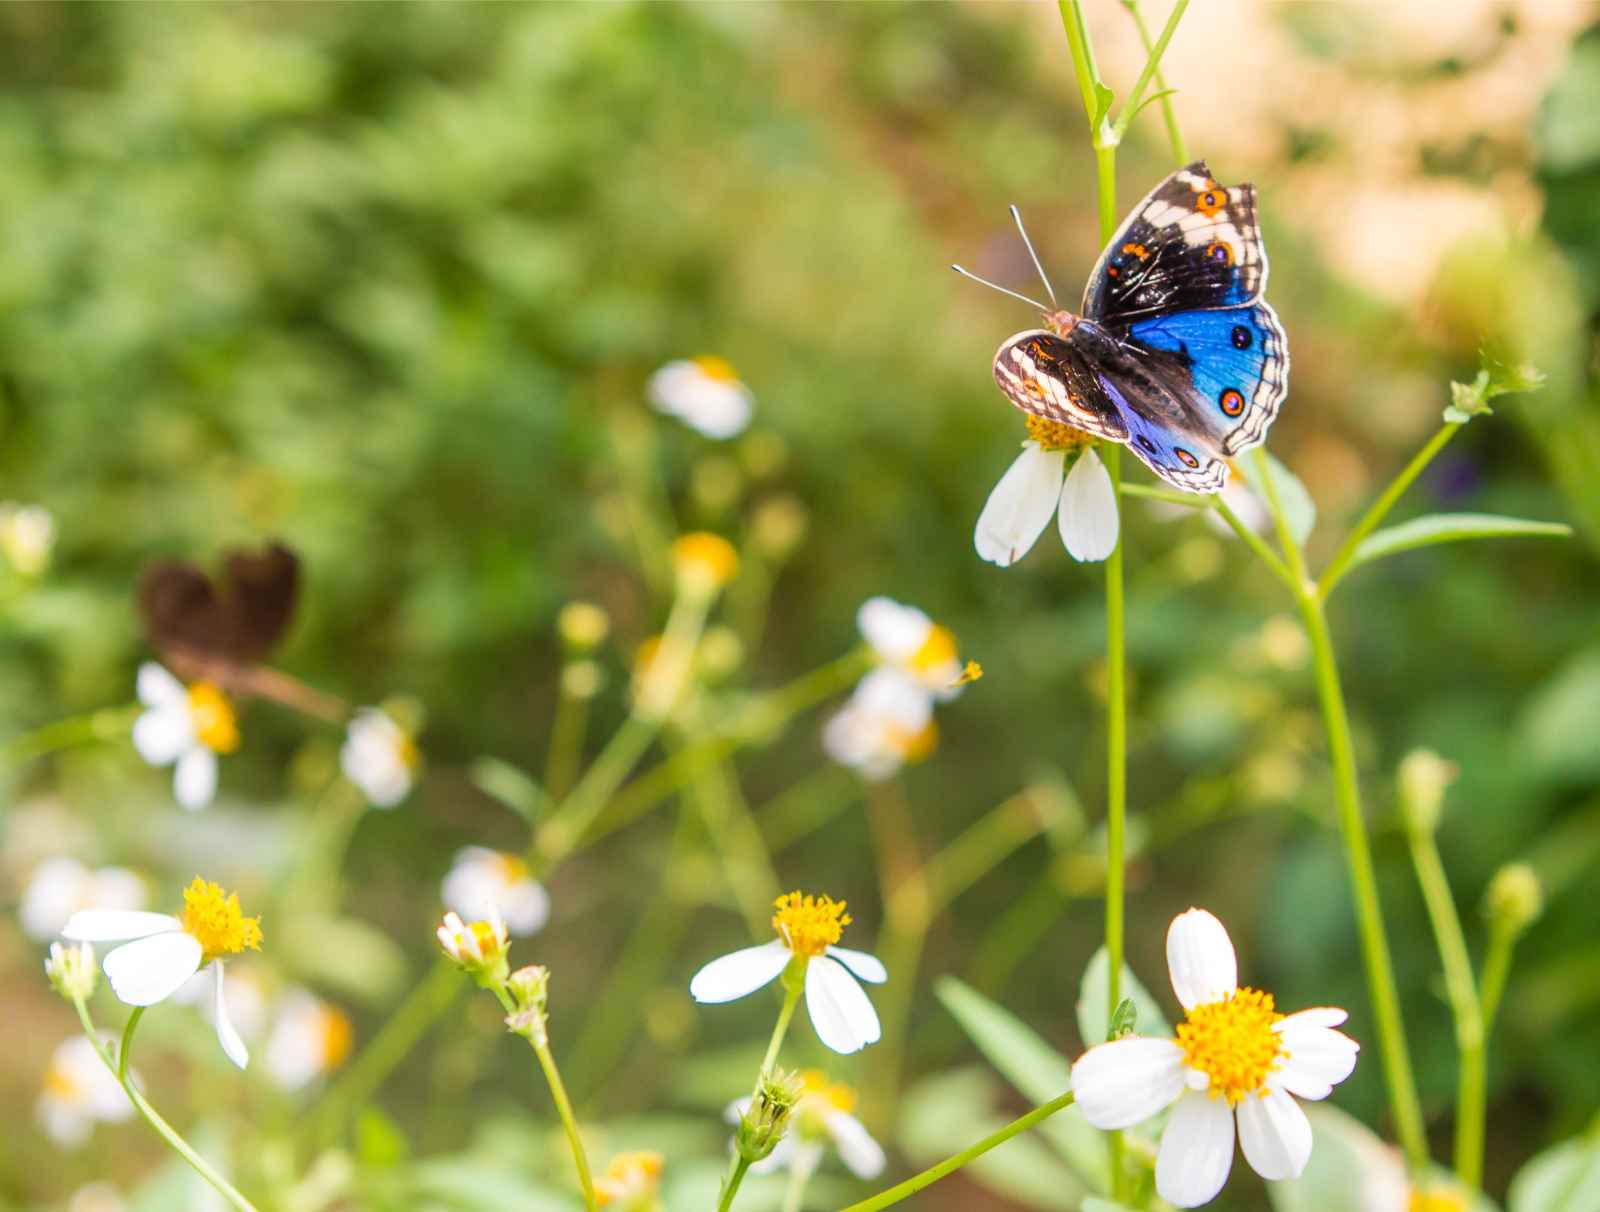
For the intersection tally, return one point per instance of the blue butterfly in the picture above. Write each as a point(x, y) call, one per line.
point(1176, 355)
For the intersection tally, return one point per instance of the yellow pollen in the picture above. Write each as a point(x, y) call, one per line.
point(971, 672)
point(705, 556)
point(809, 925)
point(215, 921)
point(1439, 1199)
point(488, 941)
point(937, 652)
point(1232, 1042)
point(215, 724)
point(334, 1027)
point(59, 1084)
point(628, 1176)
point(716, 368)
point(814, 1083)
point(1054, 435)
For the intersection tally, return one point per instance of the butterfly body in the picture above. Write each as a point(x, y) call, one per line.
point(1175, 354)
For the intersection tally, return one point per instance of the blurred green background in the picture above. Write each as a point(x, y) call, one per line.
point(387, 281)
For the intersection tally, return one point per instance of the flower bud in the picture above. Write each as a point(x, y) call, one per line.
point(778, 526)
point(765, 1121)
point(704, 562)
point(1514, 899)
point(721, 653)
point(1424, 778)
point(583, 626)
point(71, 970)
point(478, 947)
point(530, 989)
point(582, 680)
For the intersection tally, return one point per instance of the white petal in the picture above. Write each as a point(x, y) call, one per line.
point(527, 908)
point(162, 733)
point(114, 925)
point(1020, 506)
point(158, 688)
point(149, 970)
point(856, 1147)
point(1126, 1081)
point(866, 967)
point(227, 1036)
point(841, 1012)
point(895, 632)
point(1275, 1135)
point(1316, 1016)
point(1319, 1058)
point(735, 975)
point(1200, 959)
point(1196, 1151)
point(1088, 511)
point(194, 783)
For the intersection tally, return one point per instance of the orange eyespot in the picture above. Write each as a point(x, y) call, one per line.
point(1184, 457)
point(1232, 402)
point(1219, 252)
point(1211, 201)
point(1137, 250)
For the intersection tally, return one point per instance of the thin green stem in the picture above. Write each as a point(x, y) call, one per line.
point(730, 1185)
point(1152, 64)
point(566, 742)
point(1116, 786)
point(107, 724)
point(118, 1066)
point(793, 985)
point(1496, 968)
point(569, 1122)
point(1340, 564)
point(951, 1164)
point(1084, 67)
point(1169, 113)
point(1255, 543)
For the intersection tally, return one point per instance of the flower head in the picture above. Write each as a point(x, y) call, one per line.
point(631, 1183)
point(808, 930)
point(185, 727)
point(704, 393)
point(483, 882)
point(762, 1122)
point(71, 971)
point(478, 947)
point(904, 638)
point(61, 886)
point(167, 950)
point(1235, 1059)
point(310, 1039)
point(887, 723)
point(78, 1092)
point(1038, 485)
point(821, 1120)
point(704, 562)
point(379, 757)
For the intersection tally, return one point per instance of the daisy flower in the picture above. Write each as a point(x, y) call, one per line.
point(380, 757)
point(79, 1092)
point(310, 1039)
point(887, 722)
point(167, 950)
point(905, 638)
point(59, 887)
point(483, 882)
point(808, 929)
point(1038, 485)
point(820, 1119)
point(1235, 1060)
point(705, 394)
point(631, 1183)
point(184, 727)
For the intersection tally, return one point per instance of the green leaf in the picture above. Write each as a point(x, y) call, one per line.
point(344, 953)
point(1092, 994)
point(514, 788)
point(1450, 528)
point(1563, 1179)
point(1103, 98)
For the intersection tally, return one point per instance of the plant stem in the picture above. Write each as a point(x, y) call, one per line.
point(730, 1185)
point(566, 742)
point(794, 1194)
point(793, 985)
point(1255, 543)
point(558, 1093)
point(1496, 968)
point(1152, 64)
point(119, 1069)
point(951, 1164)
point(1169, 114)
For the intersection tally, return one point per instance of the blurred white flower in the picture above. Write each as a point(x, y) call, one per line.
point(27, 537)
point(185, 727)
point(631, 1183)
point(379, 757)
point(79, 1091)
point(1037, 486)
point(1235, 1058)
point(907, 639)
point(887, 722)
point(704, 393)
point(478, 946)
point(821, 1118)
point(808, 928)
point(483, 882)
point(166, 951)
point(310, 1039)
point(96, 1197)
point(61, 886)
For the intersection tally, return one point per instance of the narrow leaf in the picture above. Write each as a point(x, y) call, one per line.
point(1450, 528)
point(510, 786)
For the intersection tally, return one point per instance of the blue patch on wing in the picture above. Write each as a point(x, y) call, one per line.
point(1237, 361)
point(1168, 454)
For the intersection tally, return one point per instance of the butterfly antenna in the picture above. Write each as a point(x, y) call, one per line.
point(1049, 290)
point(966, 273)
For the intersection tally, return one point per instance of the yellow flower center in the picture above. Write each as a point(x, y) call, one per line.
point(629, 1176)
point(61, 1085)
point(510, 868)
point(212, 715)
point(809, 925)
point(705, 557)
point(1053, 435)
point(937, 651)
point(333, 1028)
point(1439, 1199)
point(716, 368)
point(1232, 1042)
point(216, 922)
point(814, 1084)
point(913, 746)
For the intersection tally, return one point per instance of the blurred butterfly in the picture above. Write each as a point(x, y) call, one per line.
point(1176, 355)
point(214, 629)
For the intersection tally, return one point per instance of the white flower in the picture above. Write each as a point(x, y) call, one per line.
point(166, 951)
point(27, 536)
point(249, 1000)
point(1235, 1058)
point(478, 946)
point(79, 1091)
point(1036, 486)
point(821, 1118)
point(704, 393)
point(185, 727)
point(310, 1039)
point(59, 887)
point(379, 757)
point(96, 1197)
point(808, 928)
point(905, 638)
point(483, 882)
point(887, 722)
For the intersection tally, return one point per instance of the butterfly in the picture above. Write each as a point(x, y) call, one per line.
point(218, 629)
point(1176, 355)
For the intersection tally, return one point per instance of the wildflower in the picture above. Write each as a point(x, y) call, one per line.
point(905, 638)
point(27, 536)
point(761, 1123)
point(79, 1091)
point(808, 929)
point(167, 950)
point(705, 394)
point(631, 1183)
point(380, 757)
point(887, 723)
point(1038, 485)
point(822, 1117)
point(478, 947)
point(704, 562)
point(310, 1039)
point(484, 882)
point(59, 887)
point(71, 971)
point(185, 727)
point(1235, 1057)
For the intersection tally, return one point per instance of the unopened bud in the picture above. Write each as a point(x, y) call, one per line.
point(71, 970)
point(1424, 778)
point(721, 652)
point(778, 526)
point(583, 626)
point(766, 1120)
point(582, 680)
point(530, 989)
point(1515, 899)
point(704, 562)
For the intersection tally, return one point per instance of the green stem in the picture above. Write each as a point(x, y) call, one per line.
point(1169, 113)
point(118, 1067)
point(793, 985)
point(951, 1164)
point(1152, 64)
point(566, 742)
point(1116, 787)
point(109, 723)
point(1255, 543)
point(1340, 564)
point(730, 1185)
point(1496, 968)
point(569, 1122)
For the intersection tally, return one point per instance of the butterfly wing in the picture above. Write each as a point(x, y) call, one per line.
point(1051, 377)
point(204, 629)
